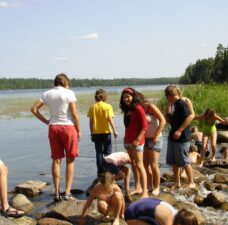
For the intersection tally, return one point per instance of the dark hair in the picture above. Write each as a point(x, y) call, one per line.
point(185, 217)
point(100, 95)
point(138, 98)
point(209, 114)
point(62, 80)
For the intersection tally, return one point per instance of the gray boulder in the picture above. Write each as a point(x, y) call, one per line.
point(31, 188)
point(21, 202)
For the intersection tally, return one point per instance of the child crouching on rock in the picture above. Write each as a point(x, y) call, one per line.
point(109, 199)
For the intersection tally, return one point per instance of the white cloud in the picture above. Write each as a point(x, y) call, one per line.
point(7, 5)
point(91, 36)
point(61, 58)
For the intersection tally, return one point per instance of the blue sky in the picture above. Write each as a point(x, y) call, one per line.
point(108, 38)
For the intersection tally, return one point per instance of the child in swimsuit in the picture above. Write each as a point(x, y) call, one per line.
point(109, 199)
point(209, 130)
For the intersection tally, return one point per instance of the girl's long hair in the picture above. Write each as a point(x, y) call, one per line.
point(138, 98)
point(209, 114)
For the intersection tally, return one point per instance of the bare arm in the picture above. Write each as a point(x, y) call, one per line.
point(139, 138)
point(35, 111)
point(73, 109)
point(220, 119)
point(158, 115)
point(89, 201)
point(111, 122)
point(186, 122)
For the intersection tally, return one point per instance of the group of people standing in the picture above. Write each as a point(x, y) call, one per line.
point(143, 123)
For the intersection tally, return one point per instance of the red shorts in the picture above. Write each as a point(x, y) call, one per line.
point(63, 139)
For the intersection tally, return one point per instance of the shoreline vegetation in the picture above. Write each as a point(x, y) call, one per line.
point(203, 96)
point(35, 83)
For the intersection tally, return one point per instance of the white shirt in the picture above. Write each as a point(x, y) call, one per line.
point(58, 99)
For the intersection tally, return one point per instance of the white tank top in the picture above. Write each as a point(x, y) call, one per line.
point(153, 124)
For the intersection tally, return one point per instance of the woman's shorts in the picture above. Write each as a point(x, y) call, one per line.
point(154, 147)
point(138, 148)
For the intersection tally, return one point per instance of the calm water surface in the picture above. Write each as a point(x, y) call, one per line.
point(25, 147)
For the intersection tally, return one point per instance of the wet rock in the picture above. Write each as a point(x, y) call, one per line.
point(221, 178)
point(221, 187)
point(209, 185)
point(224, 206)
point(31, 188)
point(222, 136)
point(6, 221)
point(168, 197)
point(25, 221)
point(52, 221)
point(218, 163)
point(215, 199)
point(21, 202)
point(70, 210)
point(199, 199)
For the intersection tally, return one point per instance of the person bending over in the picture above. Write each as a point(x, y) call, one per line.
point(157, 212)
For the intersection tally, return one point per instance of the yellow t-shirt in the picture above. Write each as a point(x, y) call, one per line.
point(99, 114)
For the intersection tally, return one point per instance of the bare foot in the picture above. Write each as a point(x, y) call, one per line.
point(136, 191)
point(116, 221)
point(213, 159)
point(192, 185)
point(106, 218)
point(156, 191)
point(144, 195)
point(176, 186)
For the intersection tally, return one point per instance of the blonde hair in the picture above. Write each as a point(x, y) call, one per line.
point(106, 178)
point(172, 90)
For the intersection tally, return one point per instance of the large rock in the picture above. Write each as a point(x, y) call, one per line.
point(221, 178)
point(21, 202)
point(6, 221)
point(215, 199)
point(222, 136)
point(52, 221)
point(70, 210)
point(25, 221)
point(31, 188)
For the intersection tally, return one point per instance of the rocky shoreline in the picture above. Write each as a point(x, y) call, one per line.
point(209, 200)
point(213, 178)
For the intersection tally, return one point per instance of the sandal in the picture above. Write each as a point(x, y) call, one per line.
point(68, 197)
point(57, 197)
point(11, 212)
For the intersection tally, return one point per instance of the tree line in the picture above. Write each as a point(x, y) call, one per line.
point(34, 83)
point(208, 70)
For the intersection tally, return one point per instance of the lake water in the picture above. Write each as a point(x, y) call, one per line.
point(25, 147)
